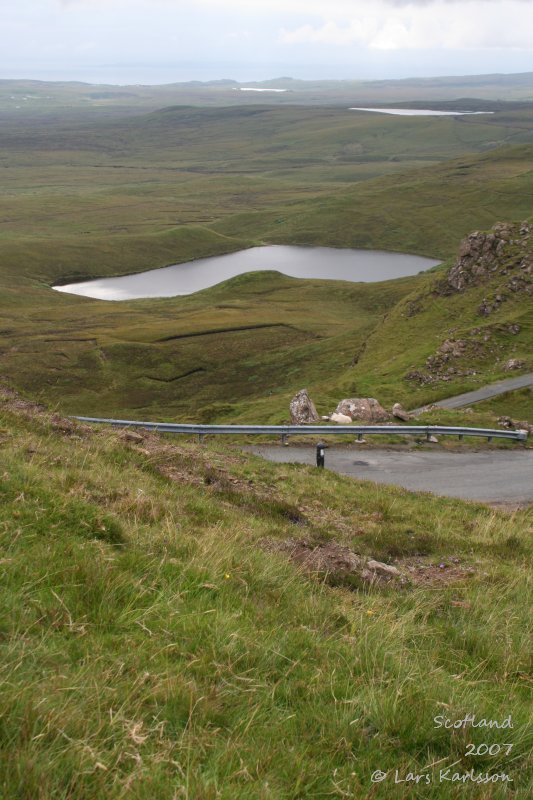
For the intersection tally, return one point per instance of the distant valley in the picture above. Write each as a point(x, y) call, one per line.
point(104, 181)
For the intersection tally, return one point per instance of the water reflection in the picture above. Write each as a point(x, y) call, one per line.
point(419, 112)
point(296, 262)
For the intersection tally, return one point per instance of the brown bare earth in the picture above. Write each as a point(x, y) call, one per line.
point(337, 561)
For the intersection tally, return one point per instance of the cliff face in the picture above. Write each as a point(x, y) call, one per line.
point(506, 251)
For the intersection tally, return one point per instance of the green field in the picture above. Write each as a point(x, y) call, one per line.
point(86, 194)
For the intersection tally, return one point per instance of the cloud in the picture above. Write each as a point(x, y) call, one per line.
point(355, 31)
point(324, 8)
point(267, 37)
point(433, 2)
point(421, 25)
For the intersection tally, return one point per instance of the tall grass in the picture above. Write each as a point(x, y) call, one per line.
point(151, 647)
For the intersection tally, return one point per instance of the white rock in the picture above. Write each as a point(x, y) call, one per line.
point(399, 412)
point(341, 419)
point(366, 409)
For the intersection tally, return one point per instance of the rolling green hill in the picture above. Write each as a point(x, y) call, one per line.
point(84, 197)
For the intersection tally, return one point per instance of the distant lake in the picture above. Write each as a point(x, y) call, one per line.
point(297, 262)
point(419, 112)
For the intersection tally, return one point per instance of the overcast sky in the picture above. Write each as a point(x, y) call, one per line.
point(161, 41)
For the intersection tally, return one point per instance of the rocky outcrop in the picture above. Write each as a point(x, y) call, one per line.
point(514, 363)
point(302, 408)
point(515, 425)
point(498, 267)
point(486, 307)
point(443, 364)
point(363, 409)
point(487, 344)
point(506, 249)
point(452, 347)
point(478, 257)
point(425, 378)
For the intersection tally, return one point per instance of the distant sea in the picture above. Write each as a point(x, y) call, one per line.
point(152, 75)
point(370, 68)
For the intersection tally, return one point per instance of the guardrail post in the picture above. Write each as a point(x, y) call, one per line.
point(320, 454)
point(285, 439)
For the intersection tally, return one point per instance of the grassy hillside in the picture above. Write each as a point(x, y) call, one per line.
point(83, 182)
point(86, 197)
point(159, 641)
point(185, 621)
point(426, 211)
point(214, 353)
point(442, 340)
point(517, 404)
point(445, 340)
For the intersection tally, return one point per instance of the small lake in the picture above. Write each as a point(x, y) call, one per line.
point(419, 112)
point(328, 263)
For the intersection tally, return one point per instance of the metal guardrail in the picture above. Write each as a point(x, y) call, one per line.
point(311, 430)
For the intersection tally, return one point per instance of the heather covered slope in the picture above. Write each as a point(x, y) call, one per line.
point(157, 641)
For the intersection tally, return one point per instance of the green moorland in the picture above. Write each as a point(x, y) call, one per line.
point(157, 642)
point(179, 620)
point(18, 97)
point(83, 196)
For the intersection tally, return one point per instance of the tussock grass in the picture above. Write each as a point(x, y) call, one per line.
point(517, 404)
point(152, 648)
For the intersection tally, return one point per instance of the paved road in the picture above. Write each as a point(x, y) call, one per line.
point(492, 390)
point(504, 476)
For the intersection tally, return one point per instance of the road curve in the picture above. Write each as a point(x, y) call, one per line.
point(485, 393)
point(497, 476)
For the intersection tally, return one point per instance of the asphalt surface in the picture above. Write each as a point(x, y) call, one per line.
point(496, 476)
point(492, 390)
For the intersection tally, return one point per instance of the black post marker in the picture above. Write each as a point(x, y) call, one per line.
point(320, 454)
